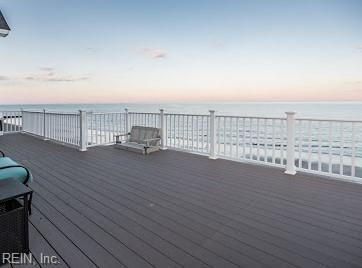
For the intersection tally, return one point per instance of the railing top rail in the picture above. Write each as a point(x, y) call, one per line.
point(35, 112)
point(329, 120)
point(102, 113)
point(184, 114)
point(55, 113)
point(52, 112)
point(141, 113)
point(252, 117)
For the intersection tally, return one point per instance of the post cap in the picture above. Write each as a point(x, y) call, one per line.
point(162, 110)
point(212, 111)
point(291, 113)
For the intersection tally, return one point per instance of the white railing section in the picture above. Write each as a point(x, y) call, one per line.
point(332, 147)
point(187, 132)
point(325, 147)
point(33, 122)
point(144, 119)
point(61, 127)
point(257, 139)
point(11, 121)
point(102, 127)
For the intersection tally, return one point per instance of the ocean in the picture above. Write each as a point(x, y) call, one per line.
point(323, 110)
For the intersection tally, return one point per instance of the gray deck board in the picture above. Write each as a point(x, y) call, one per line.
point(40, 246)
point(112, 208)
point(70, 253)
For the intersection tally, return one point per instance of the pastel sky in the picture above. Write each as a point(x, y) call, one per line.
point(99, 51)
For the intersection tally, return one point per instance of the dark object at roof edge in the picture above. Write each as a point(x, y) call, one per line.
point(3, 23)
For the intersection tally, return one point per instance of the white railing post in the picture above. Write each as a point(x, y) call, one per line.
point(212, 135)
point(83, 132)
point(163, 129)
point(126, 120)
point(290, 168)
point(44, 125)
point(22, 120)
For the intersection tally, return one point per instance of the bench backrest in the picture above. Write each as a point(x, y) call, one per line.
point(140, 133)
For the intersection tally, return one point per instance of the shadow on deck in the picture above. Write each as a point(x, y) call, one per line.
point(112, 208)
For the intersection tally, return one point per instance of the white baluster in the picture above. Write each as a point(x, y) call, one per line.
point(341, 150)
point(163, 130)
point(83, 130)
point(212, 135)
point(290, 168)
point(126, 120)
point(44, 125)
point(353, 148)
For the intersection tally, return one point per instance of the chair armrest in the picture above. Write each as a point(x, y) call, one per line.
point(15, 166)
point(147, 141)
point(2, 154)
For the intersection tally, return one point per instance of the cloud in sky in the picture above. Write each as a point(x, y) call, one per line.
point(47, 74)
point(57, 78)
point(359, 47)
point(47, 69)
point(153, 53)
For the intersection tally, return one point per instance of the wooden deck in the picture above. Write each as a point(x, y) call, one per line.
point(112, 208)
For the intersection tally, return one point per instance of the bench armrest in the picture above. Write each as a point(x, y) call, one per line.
point(147, 141)
point(124, 134)
point(121, 135)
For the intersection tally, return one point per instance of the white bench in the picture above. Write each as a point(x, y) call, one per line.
point(141, 139)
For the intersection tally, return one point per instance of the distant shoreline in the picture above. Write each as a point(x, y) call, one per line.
point(324, 110)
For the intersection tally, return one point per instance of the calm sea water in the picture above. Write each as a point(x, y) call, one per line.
point(331, 110)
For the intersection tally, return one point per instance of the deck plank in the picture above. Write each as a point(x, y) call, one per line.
point(40, 246)
point(328, 258)
point(195, 235)
point(69, 252)
point(107, 207)
point(62, 199)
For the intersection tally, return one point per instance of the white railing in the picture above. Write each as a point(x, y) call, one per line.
point(332, 147)
point(11, 121)
point(187, 132)
point(61, 127)
point(143, 119)
point(326, 147)
point(102, 127)
point(33, 122)
point(257, 139)
point(64, 128)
